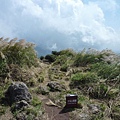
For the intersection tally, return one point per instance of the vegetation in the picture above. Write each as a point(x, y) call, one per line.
point(106, 71)
point(93, 75)
point(83, 58)
point(84, 78)
point(16, 60)
point(20, 53)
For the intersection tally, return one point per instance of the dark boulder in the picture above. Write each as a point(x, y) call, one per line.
point(16, 92)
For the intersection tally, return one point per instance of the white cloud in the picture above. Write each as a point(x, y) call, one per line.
point(110, 5)
point(58, 24)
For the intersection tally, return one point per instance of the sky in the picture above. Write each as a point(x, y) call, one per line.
point(61, 24)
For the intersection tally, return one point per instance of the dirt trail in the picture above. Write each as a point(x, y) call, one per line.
point(45, 69)
point(7, 116)
point(54, 113)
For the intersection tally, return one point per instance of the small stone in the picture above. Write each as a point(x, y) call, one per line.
point(84, 116)
point(94, 108)
point(43, 90)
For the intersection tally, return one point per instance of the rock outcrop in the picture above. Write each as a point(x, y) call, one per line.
point(55, 86)
point(17, 92)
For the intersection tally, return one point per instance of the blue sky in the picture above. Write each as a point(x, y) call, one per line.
point(62, 24)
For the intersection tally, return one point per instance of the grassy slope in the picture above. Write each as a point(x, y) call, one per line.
point(92, 75)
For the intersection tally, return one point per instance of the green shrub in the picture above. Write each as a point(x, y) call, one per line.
point(65, 57)
point(67, 52)
point(3, 87)
point(41, 79)
point(35, 102)
point(20, 54)
point(105, 70)
point(35, 108)
point(31, 83)
point(3, 66)
point(84, 78)
point(64, 68)
point(83, 59)
point(30, 112)
point(116, 112)
point(2, 110)
point(41, 57)
point(50, 58)
point(112, 93)
point(55, 53)
point(62, 59)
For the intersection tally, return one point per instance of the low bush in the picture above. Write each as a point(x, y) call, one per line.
point(64, 68)
point(20, 53)
point(116, 112)
point(103, 91)
point(67, 52)
point(55, 53)
point(3, 67)
point(83, 59)
point(99, 91)
point(106, 71)
point(50, 58)
point(41, 57)
point(84, 78)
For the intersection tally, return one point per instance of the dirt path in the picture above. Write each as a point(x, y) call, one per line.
point(7, 116)
point(55, 113)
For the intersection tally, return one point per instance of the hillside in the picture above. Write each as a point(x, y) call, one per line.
point(94, 76)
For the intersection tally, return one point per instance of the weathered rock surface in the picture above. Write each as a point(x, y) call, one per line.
point(16, 92)
point(43, 90)
point(21, 116)
point(94, 108)
point(55, 86)
point(19, 105)
point(84, 116)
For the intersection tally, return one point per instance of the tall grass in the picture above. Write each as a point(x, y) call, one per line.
point(17, 52)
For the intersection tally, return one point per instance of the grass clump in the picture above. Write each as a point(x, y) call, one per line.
point(64, 68)
point(41, 79)
point(18, 52)
point(36, 102)
point(116, 112)
point(99, 91)
point(83, 59)
point(2, 109)
point(67, 52)
point(65, 57)
point(84, 78)
point(21, 56)
point(106, 71)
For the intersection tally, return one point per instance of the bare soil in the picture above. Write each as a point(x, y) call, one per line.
point(54, 112)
